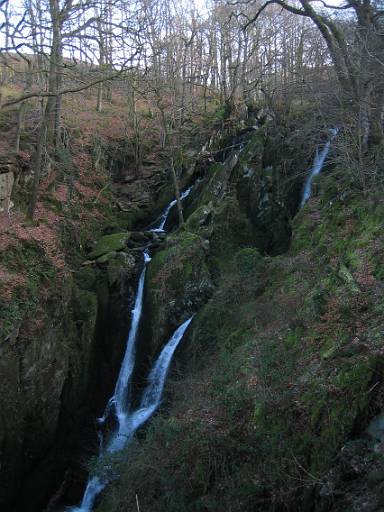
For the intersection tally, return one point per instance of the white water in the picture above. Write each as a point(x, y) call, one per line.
point(94, 487)
point(120, 396)
point(317, 167)
point(164, 215)
point(129, 422)
point(150, 401)
point(151, 398)
point(119, 400)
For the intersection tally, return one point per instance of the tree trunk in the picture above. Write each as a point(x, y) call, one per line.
point(177, 191)
point(38, 159)
point(55, 76)
point(20, 123)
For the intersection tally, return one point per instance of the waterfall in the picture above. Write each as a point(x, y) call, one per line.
point(150, 401)
point(119, 404)
point(130, 422)
point(119, 400)
point(120, 396)
point(152, 394)
point(317, 167)
point(164, 215)
point(94, 487)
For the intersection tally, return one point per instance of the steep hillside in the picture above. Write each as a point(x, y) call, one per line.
point(65, 300)
point(281, 373)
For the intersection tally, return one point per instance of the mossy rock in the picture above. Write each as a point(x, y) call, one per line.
point(105, 258)
point(178, 283)
point(254, 147)
point(86, 278)
point(85, 306)
point(231, 231)
point(247, 260)
point(119, 266)
point(108, 244)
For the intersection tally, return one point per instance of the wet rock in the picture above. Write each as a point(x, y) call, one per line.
point(178, 283)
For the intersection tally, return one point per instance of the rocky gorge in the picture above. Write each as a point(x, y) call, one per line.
point(276, 367)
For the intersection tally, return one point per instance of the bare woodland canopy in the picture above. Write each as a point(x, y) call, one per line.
point(275, 51)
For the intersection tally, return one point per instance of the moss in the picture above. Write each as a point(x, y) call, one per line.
point(254, 147)
point(231, 231)
point(85, 306)
point(355, 376)
point(121, 263)
point(215, 184)
point(105, 258)
point(294, 337)
point(248, 260)
point(347, 277)
point(236, 339)
point(334, 415)
point(157, 262)
point(195, 220)
point(86, 277)
point(127, 220)
point(177, 283)
point(108, 244)
point(28, 260)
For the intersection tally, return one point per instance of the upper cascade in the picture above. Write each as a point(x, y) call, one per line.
point(164, 216)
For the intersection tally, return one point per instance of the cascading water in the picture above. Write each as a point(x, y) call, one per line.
point(317, 167)
point(119, 403)
point(150, 401)
point(164, 215)
point(152, 394)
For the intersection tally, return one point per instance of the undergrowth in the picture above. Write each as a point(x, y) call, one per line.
point(280, 371)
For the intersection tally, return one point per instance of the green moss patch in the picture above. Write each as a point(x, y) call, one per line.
point(108, 244)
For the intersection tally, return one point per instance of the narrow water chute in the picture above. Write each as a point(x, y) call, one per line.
point(164, 216)
point(151, 398)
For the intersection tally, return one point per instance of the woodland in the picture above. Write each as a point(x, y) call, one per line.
point(191, 255)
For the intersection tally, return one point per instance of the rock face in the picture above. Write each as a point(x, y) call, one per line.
point(235, 206)
point(34, 371)
point(178, 283)
point(283, 363)
point(56, 375)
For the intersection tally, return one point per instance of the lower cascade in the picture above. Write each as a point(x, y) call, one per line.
point(119, 401)
point(130, 422)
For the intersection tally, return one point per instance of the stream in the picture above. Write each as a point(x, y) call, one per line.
point(119, 406)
